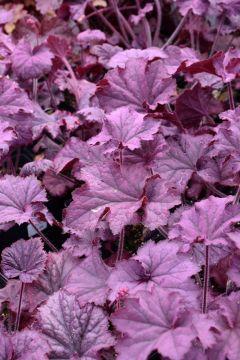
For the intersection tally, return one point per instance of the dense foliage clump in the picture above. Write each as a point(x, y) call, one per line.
point(119, 180)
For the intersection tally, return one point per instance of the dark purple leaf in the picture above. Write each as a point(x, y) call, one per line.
point(72, 331)
point(24, 258)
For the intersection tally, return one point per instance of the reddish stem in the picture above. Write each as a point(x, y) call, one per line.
point(120, 245)
point(146, 26)
point(108, 9)
point(116, 10)
point(230, 96)
point(45, 239)
point(35, 89)
point(237, 196)
point(159, 22)
point(176, 32)
point(112, 28)
point(73, 77)
point(162, 231)
point(214, 190)
point(19, 308)
point(217, 35)
point(205, 281)
point(3, 278)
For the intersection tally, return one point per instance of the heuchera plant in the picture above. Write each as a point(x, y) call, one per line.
point(119, 180)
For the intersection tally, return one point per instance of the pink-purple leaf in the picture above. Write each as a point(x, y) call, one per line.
point(6, 347)
point(234, 270)
point(148, 154)
point(183, 158)
point(119, 190)
point(30, 345)
point(45, 6)
point(91, 37)
point(59, 266)
point(56, 184)
point(156, 321)
point(7, 137)
point(77, 151)
point(19, 109)
point(88, 283)
point(59, 46)
point(44, 122)
point(160, 198)
point(208, 221)
point(36, 167)
point(228, 326)
point(19, 198)
point(28, 63)
point(139, 85)
point(24, 258)
point(155, 264)
point(84, 245)
point(125, 127)
point(72, 331)
point(198, 7)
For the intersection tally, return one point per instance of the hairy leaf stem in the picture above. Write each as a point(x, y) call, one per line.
point(230, 96)
point(45, 239)
point(176, 32)
point(120, 245)
point(205, 281)
point(19, 307)
point(159, 22)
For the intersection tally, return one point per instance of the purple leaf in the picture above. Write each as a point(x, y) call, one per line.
point(42, 121)
point(11, 292)
point(7, 137)
point(183, 158)
point(24, 258)
point(160, 198)
point(28, 63)
point(6, 347)
point(208, 221)
point(88, 283)
point(84, 245)
point(19, 109)
point(125, 127)
point(77, 151)
point(56, 184)
point(198, 7)
point(192, 105)
point(154, 264)
point(217, 252)
point(7, 16)
point(120, 191)
point(105, 52)
point(228, 326)
point(59, 46)
point(59, 267)
point(121, 57)
point(36, 167)
point(149, 154)
point(73, 331)
point(156, 321)
point(139, 85)
point(45, 6)
point(29, 345)
point(19, 198)
point(136, 19)
point(91, 37)
point(234, 270)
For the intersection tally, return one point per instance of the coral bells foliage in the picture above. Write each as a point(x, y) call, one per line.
point(119, 180)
